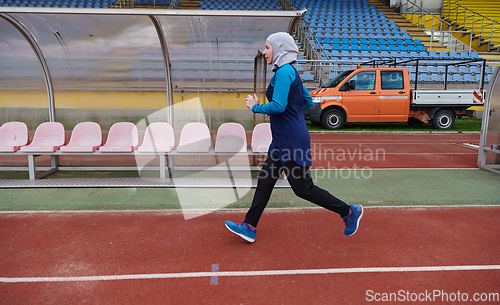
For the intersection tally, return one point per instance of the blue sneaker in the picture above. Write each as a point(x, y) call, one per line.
point(352, 220)
point(242, 230)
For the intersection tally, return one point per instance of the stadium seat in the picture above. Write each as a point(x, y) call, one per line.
point(122, 137)
point(231, 137)
point(86, 137)
point(261, 137)
point(421, 48)
point(424, 78)
point(49, 137)
point(158, 137)
point(13, 135)
point(469, 78)
point(307, 76)
point(195, 137)
point(433, 54)
point(435, 77)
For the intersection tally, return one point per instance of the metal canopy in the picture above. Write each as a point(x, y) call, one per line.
point(489, 145)
point(105, 65)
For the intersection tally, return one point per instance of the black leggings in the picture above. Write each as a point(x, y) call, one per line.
point(302, 185)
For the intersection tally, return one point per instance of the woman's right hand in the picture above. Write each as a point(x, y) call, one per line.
point(251, 101)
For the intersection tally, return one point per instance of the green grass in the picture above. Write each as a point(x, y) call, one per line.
point(464, 124)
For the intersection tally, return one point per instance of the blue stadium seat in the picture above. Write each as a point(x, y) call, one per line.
point(433, 54)
point(307, 76)
point(385, 54)
point(435, 77)
point(424, 78)
point(345, 53)
point(475, 69)
point(335, 53)
point(384, 47)
point(411, 48)
point(469, 78)
point(365, 53)
point(414, 54)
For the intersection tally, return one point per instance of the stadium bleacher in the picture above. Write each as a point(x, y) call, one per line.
point(59, 3)
point(258, 5)
point(352, 31)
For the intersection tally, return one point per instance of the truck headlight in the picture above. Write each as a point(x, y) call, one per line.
point(316, 99)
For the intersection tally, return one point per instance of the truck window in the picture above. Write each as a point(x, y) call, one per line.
point(365, 80)
point(392, 80)
point(337, 79)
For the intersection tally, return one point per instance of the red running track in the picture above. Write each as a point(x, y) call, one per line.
point(377, 150)
point(154, 243)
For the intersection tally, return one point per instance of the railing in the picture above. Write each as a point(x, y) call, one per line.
point(331, 68)
point(438, 29)
point(174, 4)
point(287, 5)
point(124, 4)
point(308, 41)
point(455, 12)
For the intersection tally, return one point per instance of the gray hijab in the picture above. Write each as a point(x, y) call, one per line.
point(284, 49)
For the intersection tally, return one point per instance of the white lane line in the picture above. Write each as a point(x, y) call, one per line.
point(246, 273)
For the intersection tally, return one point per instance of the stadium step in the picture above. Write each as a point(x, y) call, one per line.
point(189, 4)
point(124, 4)
point(405, 24)
point(463, 20)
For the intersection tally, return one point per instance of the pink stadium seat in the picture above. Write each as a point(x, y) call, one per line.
point(261, 137)
point(122, 137)
point(231, 137)
point(195, 137)
point(13, 135)
point(49, 137)
point(158, 137)
point(85, 138)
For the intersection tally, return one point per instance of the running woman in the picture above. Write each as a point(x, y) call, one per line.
point(290, 150)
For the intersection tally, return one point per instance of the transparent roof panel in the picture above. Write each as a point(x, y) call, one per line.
point(124, 65)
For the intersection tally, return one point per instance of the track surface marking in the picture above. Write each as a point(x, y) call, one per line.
point(72, 245)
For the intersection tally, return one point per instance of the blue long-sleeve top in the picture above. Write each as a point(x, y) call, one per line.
point(288, 98)
point(281, 81)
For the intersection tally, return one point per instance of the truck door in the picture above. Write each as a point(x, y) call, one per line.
point(360, 102)
point(393, 100)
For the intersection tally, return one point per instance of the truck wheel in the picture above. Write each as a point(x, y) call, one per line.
point(443, 120)
point(333, 119)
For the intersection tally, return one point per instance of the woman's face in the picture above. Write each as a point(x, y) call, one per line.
point(268, 53)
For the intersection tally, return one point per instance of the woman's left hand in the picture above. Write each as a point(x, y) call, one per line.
point(251, 100)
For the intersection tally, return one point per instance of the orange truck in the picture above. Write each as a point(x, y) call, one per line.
point(383, 94)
